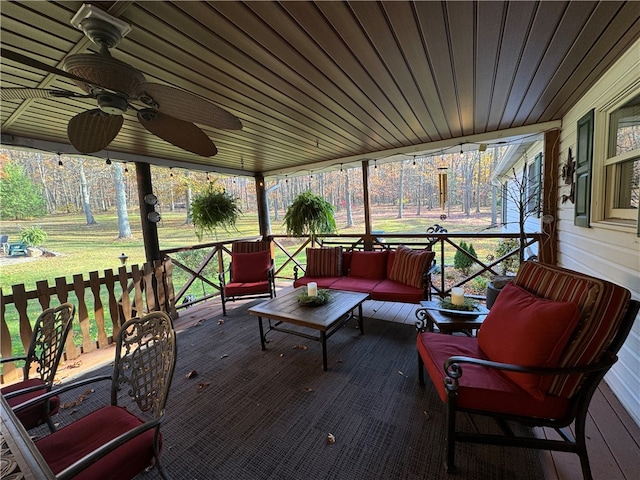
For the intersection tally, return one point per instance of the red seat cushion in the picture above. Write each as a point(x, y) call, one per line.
point(250, 267)
point(523, 329)
point(67, 445)
point(390, 291)
point(248, 288)
point(353, 284)
point(323, 282)
point(36, 414)
point(480, 387)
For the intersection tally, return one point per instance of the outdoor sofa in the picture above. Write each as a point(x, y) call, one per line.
point(390, 275)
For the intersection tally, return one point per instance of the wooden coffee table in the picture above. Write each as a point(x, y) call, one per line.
point(429, 313)
point(326, 319)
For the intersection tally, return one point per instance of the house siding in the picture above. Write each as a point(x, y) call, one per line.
point(605, 250)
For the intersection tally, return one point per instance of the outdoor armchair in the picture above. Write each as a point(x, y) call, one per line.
point(122, 439)
point(251, 273)
point(549, 339)
point(42, 359)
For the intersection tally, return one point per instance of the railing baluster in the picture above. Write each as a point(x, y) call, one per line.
point(44, 297)
point(114, 308)
point(147, 276)
point(82, 314)
point(125, 301)
point(98, 310)
point(9, 370)
point(136, 280)
point(20, 301)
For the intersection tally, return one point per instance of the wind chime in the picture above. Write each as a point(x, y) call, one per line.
point(442, 186)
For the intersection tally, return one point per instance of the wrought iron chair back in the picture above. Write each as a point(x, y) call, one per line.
point(144, 362)
point(44, 353)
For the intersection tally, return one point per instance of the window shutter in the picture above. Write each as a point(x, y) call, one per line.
point(584, 161)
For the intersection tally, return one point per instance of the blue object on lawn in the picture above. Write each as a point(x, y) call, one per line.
point(18, 249)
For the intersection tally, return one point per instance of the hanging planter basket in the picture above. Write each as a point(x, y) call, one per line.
point(212, 210)
point(309, 214)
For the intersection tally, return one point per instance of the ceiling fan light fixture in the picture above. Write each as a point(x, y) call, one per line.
point(112, 104)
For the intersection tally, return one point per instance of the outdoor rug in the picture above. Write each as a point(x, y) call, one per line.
point(256, 415)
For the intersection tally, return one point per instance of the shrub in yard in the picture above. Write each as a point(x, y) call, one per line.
point(33, 236)
point(512, 263)
point(463, 262)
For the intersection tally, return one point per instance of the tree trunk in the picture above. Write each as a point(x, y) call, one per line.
point(347, 194)
point(189, 219)
point(124, 228)
point(401, 190)
point(84, 188)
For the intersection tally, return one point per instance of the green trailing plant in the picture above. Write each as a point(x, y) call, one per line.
point(214, 209)
point(464, 262)
point(309, 214)
point(33, 236)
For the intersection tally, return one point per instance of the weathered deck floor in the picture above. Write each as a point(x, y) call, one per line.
point(614, 438)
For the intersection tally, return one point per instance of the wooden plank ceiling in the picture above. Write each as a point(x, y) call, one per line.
point(321, 83)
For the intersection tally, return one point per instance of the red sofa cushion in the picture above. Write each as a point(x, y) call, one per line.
point(353, 284)
point(481, 387)
point(371, 265)
point(409, 266)
point(67, 445)
point(324, 262)
point(250, 267)
point(36, 414)
point(526, 330)
point(390, 291)
point(323, 282)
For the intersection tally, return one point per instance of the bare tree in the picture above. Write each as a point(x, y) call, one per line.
point(124, 228)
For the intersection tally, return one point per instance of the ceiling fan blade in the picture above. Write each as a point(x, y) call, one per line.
point(178, 132)
point(93, 130)
point(25, 93)
point(32, 62)
point(187, 106)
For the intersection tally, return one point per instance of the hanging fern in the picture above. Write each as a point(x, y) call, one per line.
point(309, 214)
point(214, 209)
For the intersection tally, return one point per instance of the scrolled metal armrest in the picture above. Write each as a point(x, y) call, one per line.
point(13, 359)
point(453, 368)
point(58, 391)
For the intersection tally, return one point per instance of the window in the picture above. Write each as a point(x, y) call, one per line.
point(534, 186)
point(622, 166)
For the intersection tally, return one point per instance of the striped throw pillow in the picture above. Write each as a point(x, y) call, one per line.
point(409, 266)
point(324, 262)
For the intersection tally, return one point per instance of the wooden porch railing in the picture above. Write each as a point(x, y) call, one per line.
point(128, 293)
point(290, 252)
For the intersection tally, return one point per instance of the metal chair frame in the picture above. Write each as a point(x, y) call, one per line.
point(45, 351)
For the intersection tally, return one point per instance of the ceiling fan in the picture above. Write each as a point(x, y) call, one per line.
point(167, 112)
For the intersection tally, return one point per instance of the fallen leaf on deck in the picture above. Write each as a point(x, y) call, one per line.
point(191, 374)
point(75, 364)
point(426, 415)
point(220, 322)
point(78, 400)
point(300, 347)
point(307, 389)
point(400, 372)
point(202, 386)
point(331, 438)
point(224, 356)
point(281, 355)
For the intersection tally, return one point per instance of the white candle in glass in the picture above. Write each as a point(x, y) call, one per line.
point(457, 296)
point(312, 289)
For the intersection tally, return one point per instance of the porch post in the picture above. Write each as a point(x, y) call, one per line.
point(368, 243)
point(149, 229)
point(549, 243)
point(263, 209)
